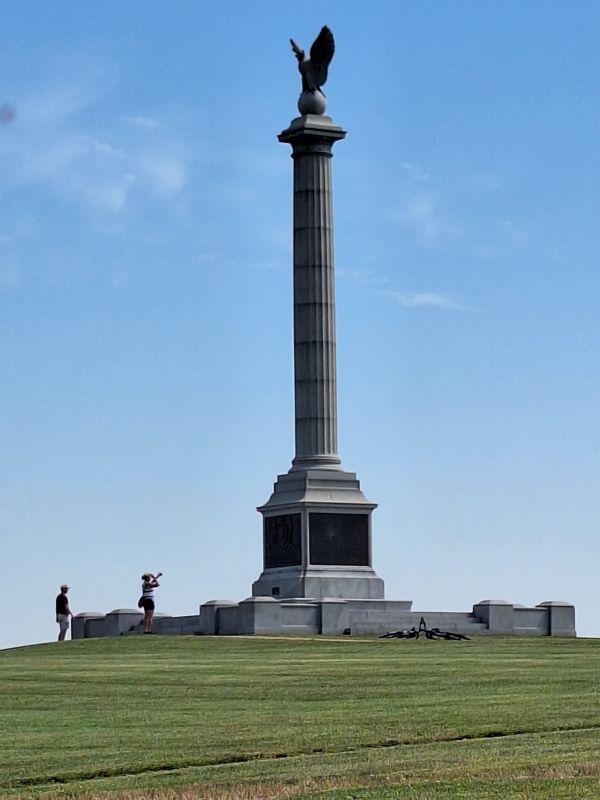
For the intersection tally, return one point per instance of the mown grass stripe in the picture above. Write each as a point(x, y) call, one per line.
point(247, 758)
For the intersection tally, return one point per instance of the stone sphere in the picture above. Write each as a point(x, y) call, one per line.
point(311, 103)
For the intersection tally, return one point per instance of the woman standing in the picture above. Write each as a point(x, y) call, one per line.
point(149, 584)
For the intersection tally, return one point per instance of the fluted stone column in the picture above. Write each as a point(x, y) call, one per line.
point(317, 522)
point(315, 390)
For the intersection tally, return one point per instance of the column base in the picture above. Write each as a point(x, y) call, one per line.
point(314, 582)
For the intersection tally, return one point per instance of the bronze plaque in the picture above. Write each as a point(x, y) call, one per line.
point(282, 541)
point(341, 539)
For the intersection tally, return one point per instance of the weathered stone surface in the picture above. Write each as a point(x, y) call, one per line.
point(210, 615)
point(317, 522)
point(561, 617)
point(334, 615)
point(121, 620)
point(79, 621)
point(312, 138)
point(498, 615)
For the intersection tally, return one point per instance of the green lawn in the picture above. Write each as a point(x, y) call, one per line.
point(275, 717)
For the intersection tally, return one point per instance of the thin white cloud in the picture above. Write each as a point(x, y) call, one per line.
point(54, 148)
point(421, 209)
point(150, 123)
point(351, 274)
point(421, 215)
point(165, 172)
point(64, 155)
point(362, 276)
point(52, 108)
point(111, 196)
point(415, 172)
point(424, 299)
point(105, 148)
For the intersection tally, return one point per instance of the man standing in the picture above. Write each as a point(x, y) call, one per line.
point(63, 612)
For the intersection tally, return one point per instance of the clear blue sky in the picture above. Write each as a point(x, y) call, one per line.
point(145, 296)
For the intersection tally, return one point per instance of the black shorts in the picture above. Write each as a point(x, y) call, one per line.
point(147, 604)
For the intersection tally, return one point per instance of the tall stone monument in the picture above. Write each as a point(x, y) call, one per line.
point(317, 522)
point(317, 573)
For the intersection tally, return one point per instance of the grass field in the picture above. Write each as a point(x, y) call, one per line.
point(228, 718)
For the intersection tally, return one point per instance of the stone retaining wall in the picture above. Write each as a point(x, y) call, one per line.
point(333, 616)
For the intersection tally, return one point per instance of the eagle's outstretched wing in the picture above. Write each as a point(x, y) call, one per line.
point(298, 51)
point(321, 54)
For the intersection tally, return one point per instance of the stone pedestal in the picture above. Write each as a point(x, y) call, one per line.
point(561, 617)
point(317, 538)
point(87, 624)
point(209, 615)
point(317, 522)
point(498, 615)
point(121, 620)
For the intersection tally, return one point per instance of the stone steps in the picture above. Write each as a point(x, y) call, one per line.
point(379, 622)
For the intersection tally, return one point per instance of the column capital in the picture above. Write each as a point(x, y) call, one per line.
point(312, 129)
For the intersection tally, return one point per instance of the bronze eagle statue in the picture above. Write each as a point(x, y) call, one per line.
point(314, 69)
